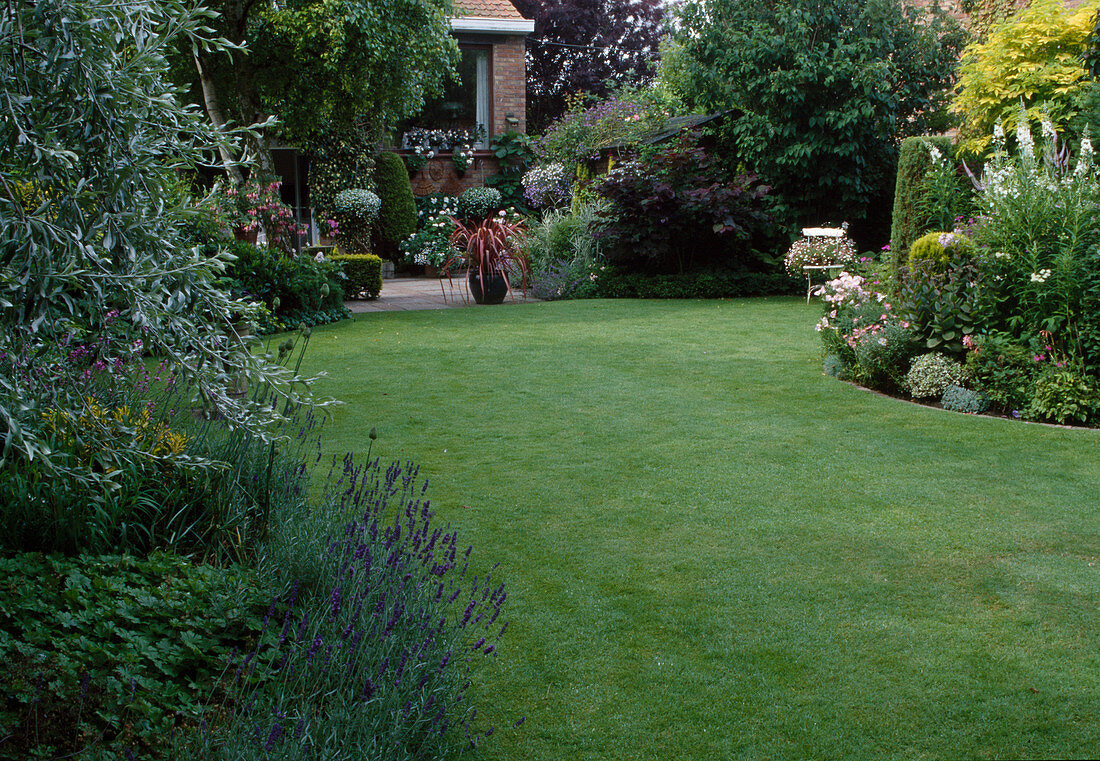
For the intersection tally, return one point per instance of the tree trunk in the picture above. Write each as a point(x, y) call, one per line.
point(213, 110)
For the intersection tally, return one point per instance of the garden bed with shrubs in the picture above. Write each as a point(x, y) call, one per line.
point(175, 587)
point(998, 315)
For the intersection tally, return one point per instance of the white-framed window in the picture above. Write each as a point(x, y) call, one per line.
point(465, 103)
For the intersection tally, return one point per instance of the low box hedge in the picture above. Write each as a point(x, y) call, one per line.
point(364, 274)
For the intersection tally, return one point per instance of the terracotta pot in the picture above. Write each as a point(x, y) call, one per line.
point(248, 236)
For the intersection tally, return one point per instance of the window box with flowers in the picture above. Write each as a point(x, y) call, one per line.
point(423, 145)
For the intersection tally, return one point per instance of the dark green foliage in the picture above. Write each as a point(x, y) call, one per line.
point(297, 289)
point(112, 652)
point(910, 217)
point(833, 366)
point(339, 159)
point(476, 204)
point(208, 490)
point(678, 209)
point(959, 399)
point(514, 154)
point(620, 284)
point(397, 216)
point(820, 91)
point(363, 273)
point(944, 305)
point(1064, 395)
point(1088, 325)
point(1004, 370)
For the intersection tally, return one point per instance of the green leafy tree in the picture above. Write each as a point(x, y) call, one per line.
point(92, 210)
point(319, 65)
point(1035, 56)
point(820, 91)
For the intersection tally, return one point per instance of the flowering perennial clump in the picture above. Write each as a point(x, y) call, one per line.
point(256, 205)
point(818, 251)
point(861, 330)
point(548, 185)
point(370, 653)
point(931, 375)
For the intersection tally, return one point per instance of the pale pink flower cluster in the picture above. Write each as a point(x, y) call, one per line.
point(849, 293)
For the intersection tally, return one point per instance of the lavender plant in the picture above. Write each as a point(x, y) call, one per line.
point(368, 653)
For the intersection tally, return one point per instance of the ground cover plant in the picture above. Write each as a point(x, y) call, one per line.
point(714, 551)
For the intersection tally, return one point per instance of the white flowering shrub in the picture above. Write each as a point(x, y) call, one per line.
point(931, 374)
point(1041, 232)
point(356, 210)
point(820, 251)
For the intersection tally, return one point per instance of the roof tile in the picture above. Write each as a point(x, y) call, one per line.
point(488, 9)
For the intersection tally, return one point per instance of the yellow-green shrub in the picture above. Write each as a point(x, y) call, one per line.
point(939, 247)
point(1036, 55)
point(364, 273)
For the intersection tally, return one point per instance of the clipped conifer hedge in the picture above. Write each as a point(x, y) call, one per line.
point(910, 220)
point(397, 216)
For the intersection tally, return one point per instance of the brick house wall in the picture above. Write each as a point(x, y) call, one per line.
point(508, 101)
point(439, 176)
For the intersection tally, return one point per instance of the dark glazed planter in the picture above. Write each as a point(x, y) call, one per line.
point(492, 291)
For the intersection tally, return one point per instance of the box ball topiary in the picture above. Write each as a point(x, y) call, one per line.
point(477, 204)
point(959, 399)
point(397, 215)
point(357, 204)
point(363, 272)
point(931, 374)
point(939, 248)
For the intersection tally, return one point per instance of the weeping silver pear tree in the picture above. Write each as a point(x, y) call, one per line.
point(93, 138)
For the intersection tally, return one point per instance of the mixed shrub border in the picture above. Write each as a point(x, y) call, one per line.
point(999, 314)
point(208, 607)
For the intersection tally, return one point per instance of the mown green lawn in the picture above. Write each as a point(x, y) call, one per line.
point(713, 551)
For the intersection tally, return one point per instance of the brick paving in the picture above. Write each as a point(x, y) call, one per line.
point(410, 293)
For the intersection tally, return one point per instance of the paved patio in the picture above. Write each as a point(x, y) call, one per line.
point(409, 293)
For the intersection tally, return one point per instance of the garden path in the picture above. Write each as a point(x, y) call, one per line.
point(412, 293)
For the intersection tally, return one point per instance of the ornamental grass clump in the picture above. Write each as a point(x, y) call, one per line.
point(368, 653)
point(147, 464)
point(931, 374)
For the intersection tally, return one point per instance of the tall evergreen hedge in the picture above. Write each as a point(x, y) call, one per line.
point(397, 216)
point(910, 221)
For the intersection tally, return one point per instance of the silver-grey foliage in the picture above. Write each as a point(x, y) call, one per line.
point(92, 140)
